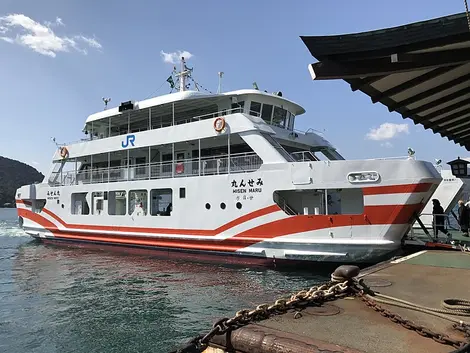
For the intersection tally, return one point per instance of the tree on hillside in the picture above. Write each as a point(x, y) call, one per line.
point(14, 174)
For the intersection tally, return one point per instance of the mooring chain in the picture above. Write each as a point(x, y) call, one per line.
point(342, 283)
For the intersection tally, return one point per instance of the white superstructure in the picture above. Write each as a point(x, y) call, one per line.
point(223, 174)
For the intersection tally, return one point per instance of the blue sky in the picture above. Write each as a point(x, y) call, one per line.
point(52, 82)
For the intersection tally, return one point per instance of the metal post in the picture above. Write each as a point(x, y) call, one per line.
point(109, 127)
point(150, 156)
point(127, 165)
point(150, 118)
point(76, 175)
point(109, 164)
point(326, 201)
point(91, 133)
point(199, 155)
point(173, 160)
point(91, 169)
point(228, 139)
point(173, 113)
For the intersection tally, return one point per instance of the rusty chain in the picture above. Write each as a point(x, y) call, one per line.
point(315, 295)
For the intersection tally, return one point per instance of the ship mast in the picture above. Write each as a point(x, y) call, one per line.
point(183, 74)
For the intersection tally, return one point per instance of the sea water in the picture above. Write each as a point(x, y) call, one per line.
point(60, 299)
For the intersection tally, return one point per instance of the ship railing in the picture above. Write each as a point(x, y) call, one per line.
point(239, 163)
point(390, 158)
point(304, 156)
point(432, 226)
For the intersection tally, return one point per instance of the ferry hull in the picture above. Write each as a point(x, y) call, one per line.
point(214, 218)
point(226, 258)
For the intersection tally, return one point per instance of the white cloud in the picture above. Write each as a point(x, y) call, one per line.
point(387, 144)
point(175, 57)
point(40, 37)
point(387, 131)
point(58, 22)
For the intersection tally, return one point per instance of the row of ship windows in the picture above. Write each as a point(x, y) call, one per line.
point(134, 202)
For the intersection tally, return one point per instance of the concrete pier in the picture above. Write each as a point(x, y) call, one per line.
point(425, 278)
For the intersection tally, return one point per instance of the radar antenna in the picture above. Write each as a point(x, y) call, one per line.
point(106, 101)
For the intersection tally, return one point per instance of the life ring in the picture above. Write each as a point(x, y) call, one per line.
point(219, 124)
point(64, 152)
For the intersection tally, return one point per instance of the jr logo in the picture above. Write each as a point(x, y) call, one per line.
point(129, 140)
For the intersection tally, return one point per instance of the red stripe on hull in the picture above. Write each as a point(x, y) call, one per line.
point(397, 189)
point(374, 215)
point(172, 231)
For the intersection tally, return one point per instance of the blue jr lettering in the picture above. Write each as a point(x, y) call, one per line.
point(129, 140)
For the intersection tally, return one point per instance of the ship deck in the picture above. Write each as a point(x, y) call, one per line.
point(349, 325)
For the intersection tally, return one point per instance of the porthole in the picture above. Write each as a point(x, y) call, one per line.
point(239, 205)
point(222, 206)
point(208, 206)
point(63, 206)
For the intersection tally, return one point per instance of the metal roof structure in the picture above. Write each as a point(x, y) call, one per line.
point(420, 70)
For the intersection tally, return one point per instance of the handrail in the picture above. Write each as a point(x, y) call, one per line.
point(244, 162)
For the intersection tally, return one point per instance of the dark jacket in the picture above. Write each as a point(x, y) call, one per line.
point(440, 220)
point(464, 216)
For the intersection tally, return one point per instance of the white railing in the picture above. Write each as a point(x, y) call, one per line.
point(239, 163)
point(388, 158)
point(304, 156)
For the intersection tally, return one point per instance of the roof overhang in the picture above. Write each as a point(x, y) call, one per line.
point(420, 70)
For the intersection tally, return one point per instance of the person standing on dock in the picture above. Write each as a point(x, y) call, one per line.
point(464, 217)
point(439, 220)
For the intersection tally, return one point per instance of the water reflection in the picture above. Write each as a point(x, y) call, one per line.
point(76, 300)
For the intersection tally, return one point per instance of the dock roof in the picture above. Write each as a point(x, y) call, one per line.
point(419, 70)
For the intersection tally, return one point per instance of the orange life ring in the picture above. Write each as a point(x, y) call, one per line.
point(64, 152)
point(219, 124)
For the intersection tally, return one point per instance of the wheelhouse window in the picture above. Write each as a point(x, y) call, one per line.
point(239, 105)
point(266, 112)
point(280, 117)
point(255, 108)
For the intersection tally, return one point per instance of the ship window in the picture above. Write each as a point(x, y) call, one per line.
point(347, 201)
point(267, 112)
point(239, 205)
point(117, 203)
point(161, 202)
point(255, 108)
point(280, 117)
point(238, 105)
point(80, 204)
point(182, 193)
point(138, 202)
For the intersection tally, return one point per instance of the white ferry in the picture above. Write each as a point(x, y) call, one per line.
point(223, 174)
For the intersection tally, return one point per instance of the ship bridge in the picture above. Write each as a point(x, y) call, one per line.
point(419, 70)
